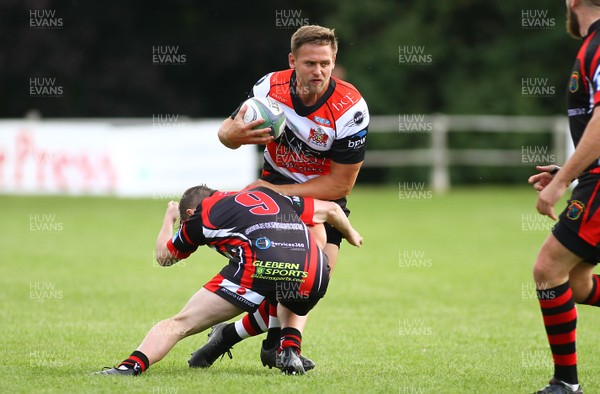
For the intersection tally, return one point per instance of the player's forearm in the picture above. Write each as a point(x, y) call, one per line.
point(586, 152)
point(224, 135)
point(163, 254)
point(338, 219)
point(324, 187)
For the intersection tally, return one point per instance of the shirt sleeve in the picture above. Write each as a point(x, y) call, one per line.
point(186, 240)
point(304, 208)
point(351, 149)
point(350, 143)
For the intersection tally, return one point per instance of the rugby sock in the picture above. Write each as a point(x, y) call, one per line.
point(594, 297)
point(136, 358)
point(560, 320)
point(274, 333)
point(291, 337)
point(255, 323)
point(230, 335)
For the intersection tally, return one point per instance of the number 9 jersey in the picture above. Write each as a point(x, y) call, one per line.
point(264, 235)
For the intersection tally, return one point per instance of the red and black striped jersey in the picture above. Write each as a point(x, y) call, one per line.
point(584, 87)
point(262, 232)
point(334, 128)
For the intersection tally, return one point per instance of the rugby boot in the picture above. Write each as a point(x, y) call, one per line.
point(136, 370)
point(556, 386)
point(269, 358)
point(288, 361)
point(214, 348)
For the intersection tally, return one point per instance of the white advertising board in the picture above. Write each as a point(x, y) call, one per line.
point(120, 157)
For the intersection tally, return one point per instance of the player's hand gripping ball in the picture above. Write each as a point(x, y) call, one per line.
point(267, 109)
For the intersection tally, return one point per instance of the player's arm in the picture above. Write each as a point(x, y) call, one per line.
point(332, 213)
point(234, 133)
point(164, 256)
point(337, 184)
point(586, 152)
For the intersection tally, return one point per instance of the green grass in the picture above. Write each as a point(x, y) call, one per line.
point(460, 317)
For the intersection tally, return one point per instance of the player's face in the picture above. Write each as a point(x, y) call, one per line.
point(313, 65)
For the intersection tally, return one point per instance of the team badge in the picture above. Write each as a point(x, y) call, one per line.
point(575, 209)
point(318, 137)
point(574, 82)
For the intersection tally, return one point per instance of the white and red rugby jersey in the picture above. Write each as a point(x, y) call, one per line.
point(334, 128)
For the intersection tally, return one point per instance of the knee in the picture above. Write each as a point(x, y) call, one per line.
point(547, 275)
point(542, 275)
point(550, 268)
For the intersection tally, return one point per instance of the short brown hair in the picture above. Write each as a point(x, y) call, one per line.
point(191, 198)
point(314, 34)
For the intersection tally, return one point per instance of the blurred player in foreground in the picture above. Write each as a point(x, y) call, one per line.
point(563, 271)
point(272, 255)
point(319, 155)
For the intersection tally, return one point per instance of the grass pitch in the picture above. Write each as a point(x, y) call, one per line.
point(439, 300)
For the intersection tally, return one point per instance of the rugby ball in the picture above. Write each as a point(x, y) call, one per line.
point(267, 109)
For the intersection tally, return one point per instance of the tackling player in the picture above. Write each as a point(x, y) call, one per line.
point(563, 271)
point(268, 259)
point(319, 155)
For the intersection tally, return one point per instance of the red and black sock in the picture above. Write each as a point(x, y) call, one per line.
point(560, 319)
point(594, 297)
point(137, 361)
point(291, 337)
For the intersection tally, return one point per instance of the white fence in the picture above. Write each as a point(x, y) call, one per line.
point(440, 157)
point(140, 157)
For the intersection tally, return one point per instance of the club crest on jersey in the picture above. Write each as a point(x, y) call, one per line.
point(574, 82)
point(318, 137)
point(575, 209)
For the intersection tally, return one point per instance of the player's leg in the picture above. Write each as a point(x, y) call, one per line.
point(551, 275)
point(585, 284)
point(572, 245)
point(204, 309)
point(288, 353)
point(331, 251)
point(271, 343)
point(264, 319)
point(224, 336)
point(292, 309)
